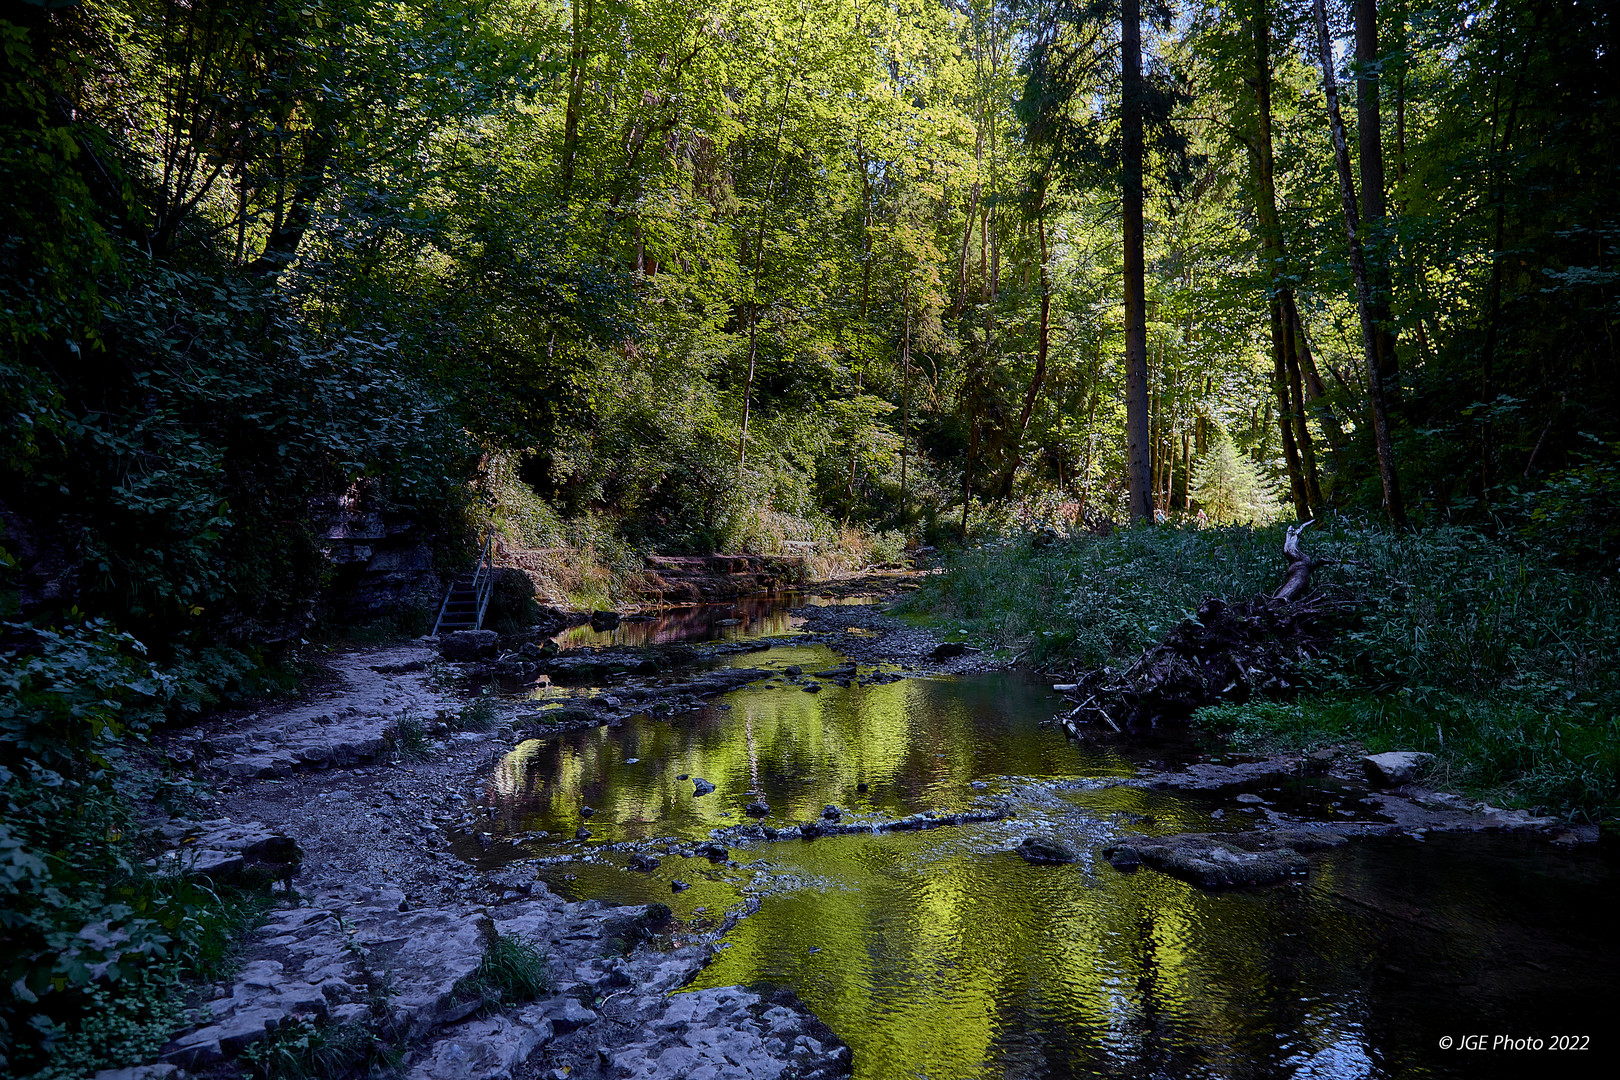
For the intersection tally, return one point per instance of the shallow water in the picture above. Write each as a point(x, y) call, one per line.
point(744, 617)
point(942, 954)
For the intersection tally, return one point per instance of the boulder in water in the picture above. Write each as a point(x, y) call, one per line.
point(463, 645)
point(1396, 767)
point(1046, 850)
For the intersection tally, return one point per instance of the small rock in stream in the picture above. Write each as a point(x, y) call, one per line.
point(1045, 850)
point(757, 809)
point(1123, 857)
point(582, 833)
point(700, 786)
point(1226, 860)
point(643, 863)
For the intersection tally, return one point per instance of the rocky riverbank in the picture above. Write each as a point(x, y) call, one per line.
point(351, 799)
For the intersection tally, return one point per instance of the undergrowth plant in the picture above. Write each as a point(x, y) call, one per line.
point(1478, 649)
point(310, 1050)
point(410, 736)
point(1093, 600)
point(477, 715)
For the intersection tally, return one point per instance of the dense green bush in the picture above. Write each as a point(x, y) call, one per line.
point(95, 939)
point(1093, 599)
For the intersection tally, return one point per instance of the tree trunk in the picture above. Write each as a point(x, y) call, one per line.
point(1300, 564)
point(1302, 430)
point(1186, 471)
point(1315, 392)
point(1500, 140)
point(1137, 451)
point(973, 199)
point(1358, 267)
point(866, 229)
point(1370, 137)
point(967, 246)
point(1298, 451)
point(576, 92)
point(905, 398)
point(759, 253)
point(1005, 485)
point(967, 473)
point(1285, 427)
point(288, 231)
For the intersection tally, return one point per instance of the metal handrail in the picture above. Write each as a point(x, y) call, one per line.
point(483, 585)
point(486, 571)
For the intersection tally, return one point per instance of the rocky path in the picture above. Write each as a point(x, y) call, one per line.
point(347, 798)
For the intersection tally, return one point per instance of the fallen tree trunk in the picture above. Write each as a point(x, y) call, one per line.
point(1231, 652)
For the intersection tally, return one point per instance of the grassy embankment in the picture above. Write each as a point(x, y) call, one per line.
point(1499, 662)
point(587, 562)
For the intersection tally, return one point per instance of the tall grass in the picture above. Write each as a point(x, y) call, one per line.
point(834, 550)
point(512, 970)
point(1094, 600)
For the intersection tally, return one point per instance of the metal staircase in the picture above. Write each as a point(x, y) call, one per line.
point(468, 595)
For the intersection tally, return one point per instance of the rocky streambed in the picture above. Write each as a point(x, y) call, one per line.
point(847, 846)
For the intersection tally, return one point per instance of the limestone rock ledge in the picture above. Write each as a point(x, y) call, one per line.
point(362, 955)
point(730, 1033)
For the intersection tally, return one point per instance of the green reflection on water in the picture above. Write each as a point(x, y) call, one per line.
point(916, 744)
point(744, 617)
point(943, 955)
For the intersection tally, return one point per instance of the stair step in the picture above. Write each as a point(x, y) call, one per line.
point(461, 607)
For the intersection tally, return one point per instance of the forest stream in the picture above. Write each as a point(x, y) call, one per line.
point(941, 953)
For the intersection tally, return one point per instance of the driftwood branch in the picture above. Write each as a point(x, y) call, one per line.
point(1300, 565)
